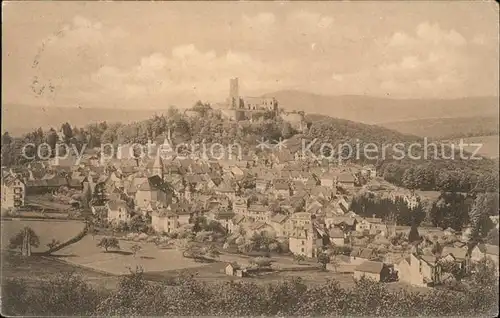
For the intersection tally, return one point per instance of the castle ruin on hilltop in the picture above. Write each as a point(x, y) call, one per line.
point(239, 108)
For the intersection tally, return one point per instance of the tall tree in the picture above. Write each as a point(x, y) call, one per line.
point(450, 210)
point(485, 205)
point(17, 240)
point(51, 139)
point(6, 139)
point(414, 236)
point(67, 132)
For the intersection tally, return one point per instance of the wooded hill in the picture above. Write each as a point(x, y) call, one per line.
point(434, 173)
point(447, 128)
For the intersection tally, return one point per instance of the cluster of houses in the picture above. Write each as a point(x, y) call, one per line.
point(421, 269)
point(304, 202)
point(258, 192)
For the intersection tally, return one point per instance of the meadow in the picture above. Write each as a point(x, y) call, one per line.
point(489, 145)
point(103, 269)
point(35, 269)
point(47, 230)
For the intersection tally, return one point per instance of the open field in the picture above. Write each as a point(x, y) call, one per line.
point(103, 269)
point(150, 258)
point(39, 215)
point(161, 264)
point(447, 127)
point(215, 273)
point(45, 229)
point(37, 268)
point(489, 145)
point(45, 202)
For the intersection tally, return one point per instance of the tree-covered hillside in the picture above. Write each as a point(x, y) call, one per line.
point(402, 159)
point(433, 173)
point(447, 128)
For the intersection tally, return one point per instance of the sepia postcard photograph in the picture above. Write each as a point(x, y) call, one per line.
point(250, 158)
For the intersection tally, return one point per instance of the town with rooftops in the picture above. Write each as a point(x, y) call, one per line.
point(266, 211)
point(249, 159)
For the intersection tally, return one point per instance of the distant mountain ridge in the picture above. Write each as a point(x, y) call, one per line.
point(447, 128)
point(18, 119)
point(378, 110)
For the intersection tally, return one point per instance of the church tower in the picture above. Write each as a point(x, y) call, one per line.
point(158, 166)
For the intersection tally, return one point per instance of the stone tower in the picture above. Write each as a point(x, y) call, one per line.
point(234, 94)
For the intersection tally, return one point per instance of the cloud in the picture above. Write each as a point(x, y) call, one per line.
point(479, 39)
point(82, 31)
point(153, 62)
point(429, 62)
point(310, 21)
point(428, 34)
point(401, 39)
point(338, 77)
point(431, 75)
point(412, 75)
point(307, 32)
point(83, 23)
point(259, 21)
point(186, 71)
point(407, 63)
point(258, 29)
point(433, 33)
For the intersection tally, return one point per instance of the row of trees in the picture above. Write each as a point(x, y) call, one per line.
point(391, 211)
point(433, 171)
point(12, 147)
point(460, 211)
point(210, 127)
point(70, 295)
point(451, 210)
point(441, 175)
point(258, 242)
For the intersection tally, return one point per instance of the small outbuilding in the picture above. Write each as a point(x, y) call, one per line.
point(376, 271)
point(234, 269)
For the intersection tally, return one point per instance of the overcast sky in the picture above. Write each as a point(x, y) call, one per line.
point(152, 55)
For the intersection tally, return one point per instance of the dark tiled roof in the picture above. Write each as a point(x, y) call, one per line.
point(488, 249)
point(116, 204)
point(458, 253)
point(224, 215)
point(343, 219)
point(9, 180)
point(345, 177)
point(367, 253)
point(279, 218)
point(370, 267)
point(238, 219)
point(280, 185)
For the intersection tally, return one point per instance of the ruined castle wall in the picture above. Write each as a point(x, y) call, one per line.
point(296, 119)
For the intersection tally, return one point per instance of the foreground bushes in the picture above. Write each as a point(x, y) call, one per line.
point(70, 295)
